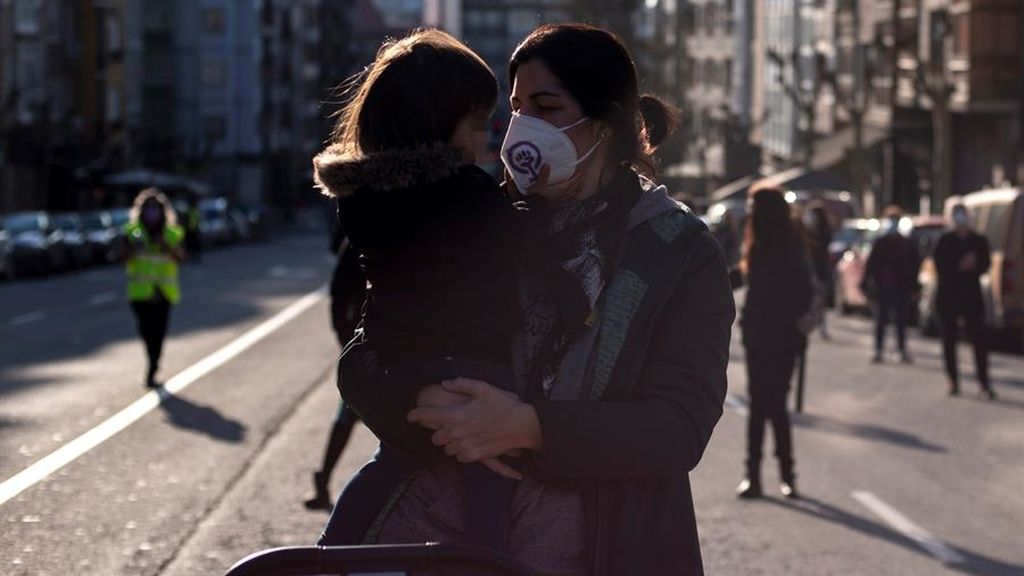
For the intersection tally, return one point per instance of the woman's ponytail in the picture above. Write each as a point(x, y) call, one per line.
point(660, 120)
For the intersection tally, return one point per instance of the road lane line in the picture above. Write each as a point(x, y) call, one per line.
point(737, 404)
point(27, 318)
point(894, 518)
point(104, 431)
point(102, 298)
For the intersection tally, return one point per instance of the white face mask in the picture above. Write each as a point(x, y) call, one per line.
point(961, 219)
point(530, 143)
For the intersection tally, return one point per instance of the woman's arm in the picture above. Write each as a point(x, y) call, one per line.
point(662, 433)
point(382, 398)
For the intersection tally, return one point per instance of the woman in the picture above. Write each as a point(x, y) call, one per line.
point(154, 252)
point(621, 359)
point(777, 266)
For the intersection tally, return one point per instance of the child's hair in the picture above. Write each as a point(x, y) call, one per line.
point(414, 94)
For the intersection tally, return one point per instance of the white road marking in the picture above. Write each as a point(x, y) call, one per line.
point(292, 273)
point(737, 404)
point(894, 518)
point(27, 318)
point(102, 298)
point(104, 431)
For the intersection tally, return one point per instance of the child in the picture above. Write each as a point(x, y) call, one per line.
point(435, 237)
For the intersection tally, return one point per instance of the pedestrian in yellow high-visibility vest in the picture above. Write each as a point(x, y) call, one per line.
point(154, 251)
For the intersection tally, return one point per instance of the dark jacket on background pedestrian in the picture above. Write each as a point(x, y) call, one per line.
point(959, 289)
point(892, 265)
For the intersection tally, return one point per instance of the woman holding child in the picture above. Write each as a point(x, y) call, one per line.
point(542, 375)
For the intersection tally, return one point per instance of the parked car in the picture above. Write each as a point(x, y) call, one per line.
point(214, 225)
point(852, 244)
point(998, 214)
point(238, 225)
point(71, 236)
point(34, 246)
point(259, 220)
point(102, 237)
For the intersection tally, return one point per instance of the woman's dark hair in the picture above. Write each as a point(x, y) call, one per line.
point(595, 67)
point(415, 93)
point(771, 228)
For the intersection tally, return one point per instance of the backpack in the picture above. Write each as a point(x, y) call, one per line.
point(816, 311)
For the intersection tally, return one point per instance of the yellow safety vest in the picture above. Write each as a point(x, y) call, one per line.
point(152, 268)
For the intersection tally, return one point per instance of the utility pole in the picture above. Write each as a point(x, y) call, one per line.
point(856, 100)
point(934, 82)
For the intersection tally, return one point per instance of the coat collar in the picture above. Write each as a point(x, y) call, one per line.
point(340, 173)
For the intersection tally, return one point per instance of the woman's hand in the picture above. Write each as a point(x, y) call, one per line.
point(490, 424)
point(435, 396)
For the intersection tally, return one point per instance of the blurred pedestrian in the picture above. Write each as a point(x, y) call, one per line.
point(193, 242)
point(961, 257)
point(890, 280)
point(819, 232)
point(727, 236)
point(348, 292)
point(778, 271)
point(154, 252)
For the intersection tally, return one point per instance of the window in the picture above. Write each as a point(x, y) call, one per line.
point(961, 35)
point(27, 16)
point(113, 105)
point(213, 73)
point(112, 31)
point(213, 20)
point(215, 128)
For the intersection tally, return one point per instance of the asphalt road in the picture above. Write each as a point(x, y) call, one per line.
point(897, 478)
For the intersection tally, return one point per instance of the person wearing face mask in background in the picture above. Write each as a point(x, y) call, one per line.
point(890, 278)
point(961, 257)
point(153, 254)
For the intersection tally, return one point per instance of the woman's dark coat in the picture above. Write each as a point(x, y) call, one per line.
point(630, 452)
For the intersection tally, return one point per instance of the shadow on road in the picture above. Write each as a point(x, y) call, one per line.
point(234, 282)
point(865, 431)
point(973, 563)
point(185, 414)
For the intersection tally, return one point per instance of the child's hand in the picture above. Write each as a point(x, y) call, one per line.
point(434, 396)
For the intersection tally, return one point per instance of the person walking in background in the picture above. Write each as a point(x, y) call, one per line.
point(890, 278)
point(348, 292)
point(961, 257)
point(727, 236)
point(778, 271)
point(819, 230)
point(154, 252)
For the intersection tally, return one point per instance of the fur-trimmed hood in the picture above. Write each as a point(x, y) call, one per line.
point(339, 173)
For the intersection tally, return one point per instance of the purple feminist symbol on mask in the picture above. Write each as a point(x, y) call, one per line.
point(524, 158)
